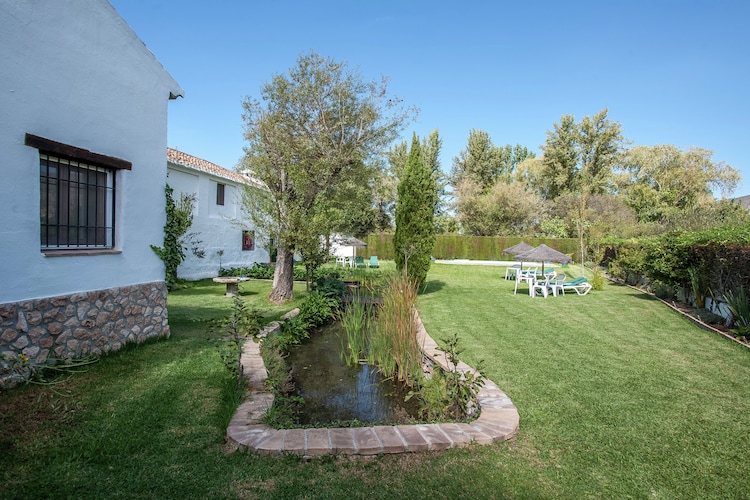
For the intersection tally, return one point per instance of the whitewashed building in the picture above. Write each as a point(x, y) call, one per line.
point(226, 239)
point(83, 145)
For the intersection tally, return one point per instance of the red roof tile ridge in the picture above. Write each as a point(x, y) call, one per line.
point(186, 160)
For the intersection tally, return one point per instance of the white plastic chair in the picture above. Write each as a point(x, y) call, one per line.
point(556, 287)
point(541, 286)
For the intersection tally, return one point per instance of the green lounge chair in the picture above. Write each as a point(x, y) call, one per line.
point(580, 285)
point(374, 261)
point(359, 261)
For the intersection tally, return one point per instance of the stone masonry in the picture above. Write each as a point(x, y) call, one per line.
point(73, 326)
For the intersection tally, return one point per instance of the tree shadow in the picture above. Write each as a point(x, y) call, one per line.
point(432, 287)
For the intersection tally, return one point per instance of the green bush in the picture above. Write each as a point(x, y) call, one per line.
point(662, 290)
point(716, 259)
point(317, 309)
point(330, 287)
point(597, 280)
point(709, 317)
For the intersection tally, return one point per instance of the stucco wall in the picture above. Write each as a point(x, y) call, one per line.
point(75, 73)
point(217, 227)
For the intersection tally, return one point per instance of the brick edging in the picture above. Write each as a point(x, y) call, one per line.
point(497, 422)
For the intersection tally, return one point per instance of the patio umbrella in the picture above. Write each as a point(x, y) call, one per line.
point(518, 248)
point(543, 253)
point(351, 241)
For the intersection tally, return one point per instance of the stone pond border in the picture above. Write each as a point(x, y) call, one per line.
point(498, 420)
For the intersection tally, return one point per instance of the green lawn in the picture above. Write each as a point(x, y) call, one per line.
point(619, 397)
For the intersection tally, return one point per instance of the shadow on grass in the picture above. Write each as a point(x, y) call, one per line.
point(432, 287)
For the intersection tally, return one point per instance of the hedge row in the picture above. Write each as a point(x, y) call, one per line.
point(454, 246)
point(717, 260)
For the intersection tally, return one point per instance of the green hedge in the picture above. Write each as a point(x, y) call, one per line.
point(720, 258)
point(455, 246)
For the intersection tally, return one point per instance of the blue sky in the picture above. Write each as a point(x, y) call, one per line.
point(671, 72)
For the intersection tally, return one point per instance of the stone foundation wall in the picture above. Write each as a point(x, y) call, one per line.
point(73, 326)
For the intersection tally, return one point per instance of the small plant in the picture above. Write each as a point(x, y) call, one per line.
point(273, 349)
point(241, 322)
point(597, 280)
point(433, 397)
point(17, 367)
point(739, 305)
point(293, 332)
point(462, 387)
point(330, 286)
point(220, 253)
point(284, 413)
point(699, 285)
point(317, 309)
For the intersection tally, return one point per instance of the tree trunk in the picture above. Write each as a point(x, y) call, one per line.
point(283, 277)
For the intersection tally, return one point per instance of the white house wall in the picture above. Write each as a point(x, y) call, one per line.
point(75, 73)
point(217, 227)
point(76, 78)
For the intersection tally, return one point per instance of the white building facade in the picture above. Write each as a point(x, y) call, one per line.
point(226, 238)
point(82, 140)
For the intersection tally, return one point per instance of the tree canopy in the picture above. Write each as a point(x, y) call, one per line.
point(314, 138)
point(662, 180)
point(486, 164)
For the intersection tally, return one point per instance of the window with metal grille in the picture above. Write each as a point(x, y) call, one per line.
point(77, 204)
point(220, 194)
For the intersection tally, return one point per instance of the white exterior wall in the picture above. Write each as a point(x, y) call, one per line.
point(76, 73)
point(218, 227)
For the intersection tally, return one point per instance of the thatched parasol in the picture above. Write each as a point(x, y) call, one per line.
point(544, 254)
point(518, 248)
point(351, 241)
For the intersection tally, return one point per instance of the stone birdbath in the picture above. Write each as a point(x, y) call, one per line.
point(232, 282)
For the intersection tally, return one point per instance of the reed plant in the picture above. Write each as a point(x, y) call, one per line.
point(356, 320)
point(394, 347)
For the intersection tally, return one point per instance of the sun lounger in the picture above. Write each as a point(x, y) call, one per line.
point(580, 285)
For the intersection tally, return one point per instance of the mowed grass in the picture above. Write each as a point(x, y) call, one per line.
point(619, 397)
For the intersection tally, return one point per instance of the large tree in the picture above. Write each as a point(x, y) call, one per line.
point(486, 164)
point(661, 181)
point(578, 159)
point(414, 239)
point(312, 139)
point(507, 209)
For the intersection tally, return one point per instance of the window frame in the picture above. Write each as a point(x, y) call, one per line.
point(90, 176)
point(220, 193)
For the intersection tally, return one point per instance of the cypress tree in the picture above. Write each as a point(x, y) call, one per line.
point(414, 239)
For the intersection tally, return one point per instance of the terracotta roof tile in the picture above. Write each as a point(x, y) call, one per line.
point(186, 160)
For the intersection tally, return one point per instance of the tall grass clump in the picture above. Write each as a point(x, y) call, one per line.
point(393, 346)
point(356, 320)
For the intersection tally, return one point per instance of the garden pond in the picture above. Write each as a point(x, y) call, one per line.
point(335, 392)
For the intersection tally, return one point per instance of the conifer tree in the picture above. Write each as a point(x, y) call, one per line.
point(414, 239)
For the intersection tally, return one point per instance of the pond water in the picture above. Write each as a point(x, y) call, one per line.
point(334, 391)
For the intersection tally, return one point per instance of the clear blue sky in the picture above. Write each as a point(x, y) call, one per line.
point(671, 72)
